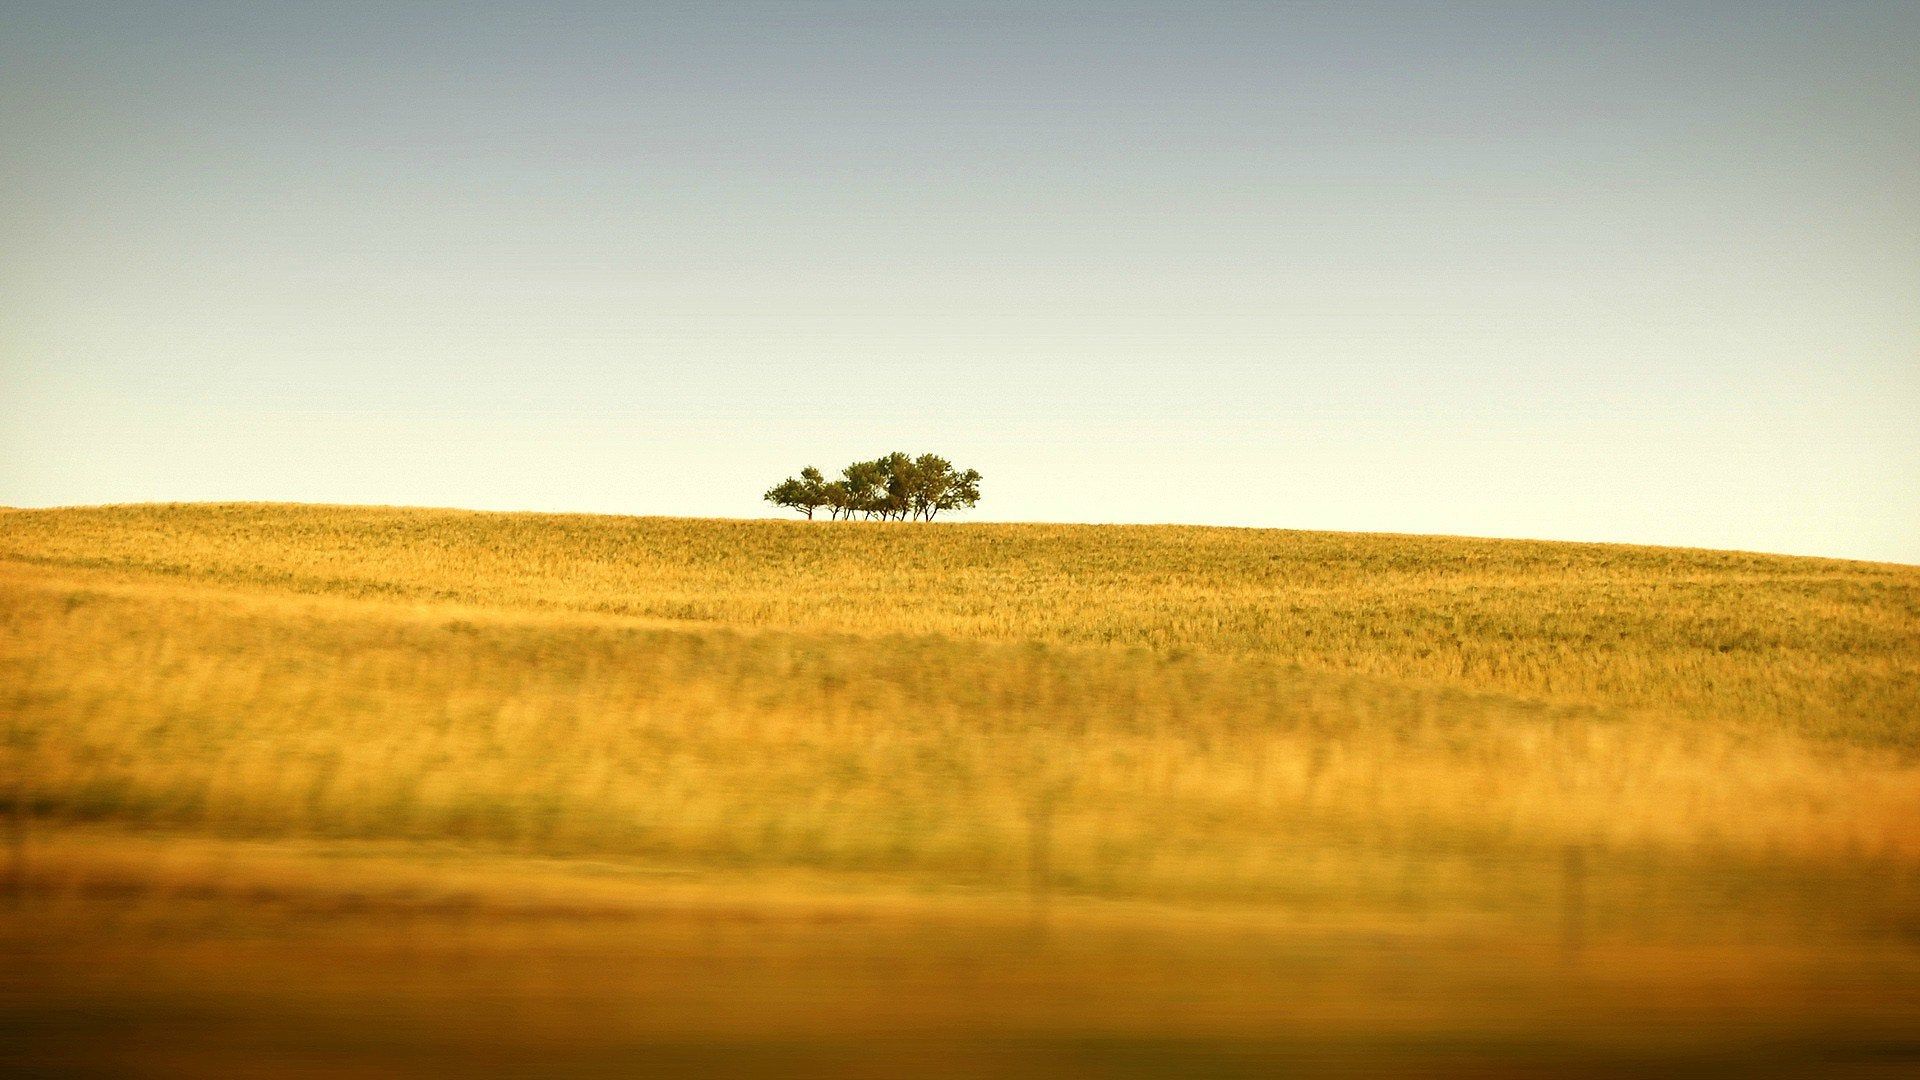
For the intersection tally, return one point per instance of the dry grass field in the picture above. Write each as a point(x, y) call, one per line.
point(315, 791)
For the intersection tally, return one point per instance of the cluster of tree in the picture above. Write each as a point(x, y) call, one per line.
point(894, 487)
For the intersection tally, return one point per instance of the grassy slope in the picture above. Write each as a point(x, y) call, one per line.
point(1821, 645)
point(1694, 771)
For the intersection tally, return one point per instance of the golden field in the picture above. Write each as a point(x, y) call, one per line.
point(330, 790)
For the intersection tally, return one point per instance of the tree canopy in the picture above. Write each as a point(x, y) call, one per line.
point(892, 487)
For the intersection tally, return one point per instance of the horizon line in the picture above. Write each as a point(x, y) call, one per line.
point(953, 522)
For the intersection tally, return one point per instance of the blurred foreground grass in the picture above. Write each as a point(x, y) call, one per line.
point(343, 789)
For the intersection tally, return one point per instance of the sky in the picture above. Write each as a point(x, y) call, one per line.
point(1627, 272)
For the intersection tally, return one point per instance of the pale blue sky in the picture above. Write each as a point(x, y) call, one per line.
point(1644, 273)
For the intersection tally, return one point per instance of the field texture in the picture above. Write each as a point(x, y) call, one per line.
point(327, 790)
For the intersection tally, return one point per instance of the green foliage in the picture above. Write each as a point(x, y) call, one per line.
point(893, 487)
point(806, 494)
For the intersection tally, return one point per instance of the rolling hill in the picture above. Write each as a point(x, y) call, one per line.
point(354, 787)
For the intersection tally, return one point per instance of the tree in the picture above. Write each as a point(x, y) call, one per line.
point(962, 493)
point(806, 494)
point(900, 486)
point(894, 487)
point(935, 485)
point(866, 483)
point(839, 499)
